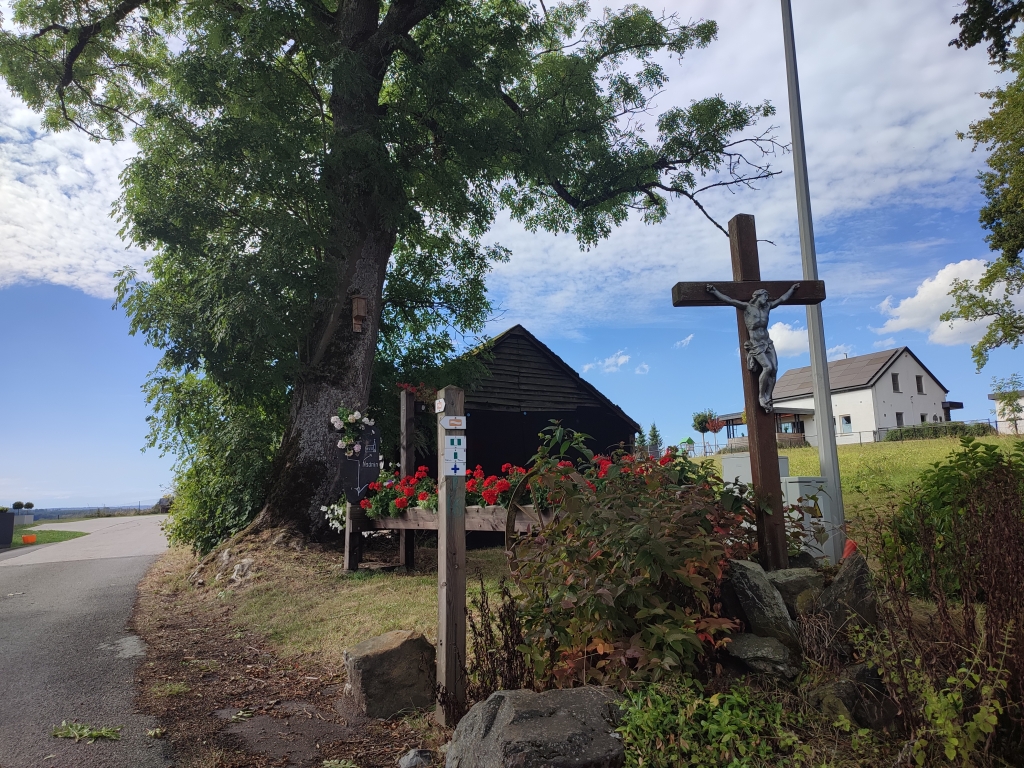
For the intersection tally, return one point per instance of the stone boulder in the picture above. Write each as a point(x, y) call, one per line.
point(835, 699)
point(873, 708)
point(799, 587)
point(766, 613)
point(391, 673)
point(851, 591)
point(416, 758)
point(570, 728)
point(804, 559)
point(763, 655)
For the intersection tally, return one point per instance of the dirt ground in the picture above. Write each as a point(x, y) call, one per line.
point(226, 699)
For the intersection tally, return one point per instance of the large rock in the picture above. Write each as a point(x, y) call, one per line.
point(850, 592)
point(873, 709)
point(766, 613)
point(764, 655)
point(799, 587)
point(391, 673)
point(835, 699)
point(571, 728)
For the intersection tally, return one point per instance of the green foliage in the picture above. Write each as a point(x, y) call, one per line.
point(992, 20)
point(619, 585)
point(29, 505)
point(87, 733)
point(939, 429)
point(702, 420)
point(990, 299)
point(929, 523)
point(1008, 392)
point(665, 726)
point(224, 451)
point(18, 505)
point(654, 440)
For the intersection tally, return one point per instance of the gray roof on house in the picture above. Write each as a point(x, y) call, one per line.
point(844, 375)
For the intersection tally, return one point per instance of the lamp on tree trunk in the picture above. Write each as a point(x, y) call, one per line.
point(358, 313)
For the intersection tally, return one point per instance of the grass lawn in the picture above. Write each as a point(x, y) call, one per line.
point(304, 604)
point(875, 474)
point(43, 537)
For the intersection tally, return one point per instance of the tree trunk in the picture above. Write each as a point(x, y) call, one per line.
point(308, 465)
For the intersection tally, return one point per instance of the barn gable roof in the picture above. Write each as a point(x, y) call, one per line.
point(527, 376)
point(845, 375)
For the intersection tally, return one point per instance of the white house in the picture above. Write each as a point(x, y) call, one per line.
point(1005, 421)
point(871, 394)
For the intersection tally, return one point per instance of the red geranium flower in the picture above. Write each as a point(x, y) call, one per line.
point(401, 502)
point(666, 459)
point(490, 496)
point(506, 468)
point(490, 481)
point(503, 485)
point(409, 492)
point(365, 503)
point(478, 473)
point(471, 486)
point(423, 496)
point(565, 464)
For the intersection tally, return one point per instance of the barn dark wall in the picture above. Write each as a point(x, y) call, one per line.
point(495, 438)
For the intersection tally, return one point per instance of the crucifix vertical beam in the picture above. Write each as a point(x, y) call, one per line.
point(764, 451)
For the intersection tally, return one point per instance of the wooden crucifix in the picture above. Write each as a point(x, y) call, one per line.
point(752, 298)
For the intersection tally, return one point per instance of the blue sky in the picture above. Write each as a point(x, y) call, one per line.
point(895, 200)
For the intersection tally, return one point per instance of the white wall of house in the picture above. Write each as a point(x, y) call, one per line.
point(872, 408)
point(914, 405)
point(1003, 423)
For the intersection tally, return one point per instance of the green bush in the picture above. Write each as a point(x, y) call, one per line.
point(19, 505)
point(939, 429)
point(665, 726)
point(620, 585)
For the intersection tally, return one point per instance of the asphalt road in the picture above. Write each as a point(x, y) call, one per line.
point(65, 652)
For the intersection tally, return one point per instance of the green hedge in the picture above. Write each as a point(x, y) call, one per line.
point(939, 429)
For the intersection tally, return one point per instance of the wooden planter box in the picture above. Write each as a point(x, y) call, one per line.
point(491, 518)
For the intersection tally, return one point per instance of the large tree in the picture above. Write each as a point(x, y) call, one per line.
point(991, 20)
point(992, 298)
point(296, 154)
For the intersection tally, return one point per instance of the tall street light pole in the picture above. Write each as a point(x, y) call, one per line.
point(827, 455)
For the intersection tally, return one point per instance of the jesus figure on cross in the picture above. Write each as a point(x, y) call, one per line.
point(760, 349)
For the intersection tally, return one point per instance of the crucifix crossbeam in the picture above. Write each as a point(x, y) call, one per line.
point(753, 299)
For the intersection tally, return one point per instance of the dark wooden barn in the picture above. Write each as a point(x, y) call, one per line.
point(527, 386)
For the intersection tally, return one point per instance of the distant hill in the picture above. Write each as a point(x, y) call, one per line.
point(57, 512)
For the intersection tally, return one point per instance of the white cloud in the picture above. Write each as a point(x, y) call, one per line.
point(885, 343)
point(839, 351)
point(789, 340)
point(642, 368)
point(921, 311)
point(610, 364)
point(683, 342)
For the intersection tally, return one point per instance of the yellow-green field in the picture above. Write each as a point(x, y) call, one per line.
point(874, 474)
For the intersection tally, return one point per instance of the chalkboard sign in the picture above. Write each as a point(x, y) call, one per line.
point(363, 466)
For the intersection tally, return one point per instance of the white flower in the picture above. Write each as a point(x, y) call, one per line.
point(325, 509)
point(336, 422)
point(357, 448)
point(353, 418)
point(371, 422)
point(357, 416)
point(366, 420)
point(341, 443)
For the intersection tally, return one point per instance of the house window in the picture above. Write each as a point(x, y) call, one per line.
point(845, 425)
point(895, 382)
point(899, 419)
point(924, 418)
point(920, 384)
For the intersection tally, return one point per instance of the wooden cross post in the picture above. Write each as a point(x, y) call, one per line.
point(451, 559)
point(407, 461)
point(761, 428)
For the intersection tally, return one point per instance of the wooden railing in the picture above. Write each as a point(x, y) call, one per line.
point(491, 518)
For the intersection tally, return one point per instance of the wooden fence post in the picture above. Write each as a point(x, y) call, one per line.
point(451, 560)
point(354, 517)
point(407, 538)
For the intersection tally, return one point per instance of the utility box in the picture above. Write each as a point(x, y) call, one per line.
point(737, 465)
point(811, 492)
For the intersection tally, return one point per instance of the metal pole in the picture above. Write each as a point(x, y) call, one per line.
point(827, 456)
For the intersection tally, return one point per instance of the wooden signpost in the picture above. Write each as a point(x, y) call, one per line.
point(764, 453)
point(407, 466)
point(451, 553)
